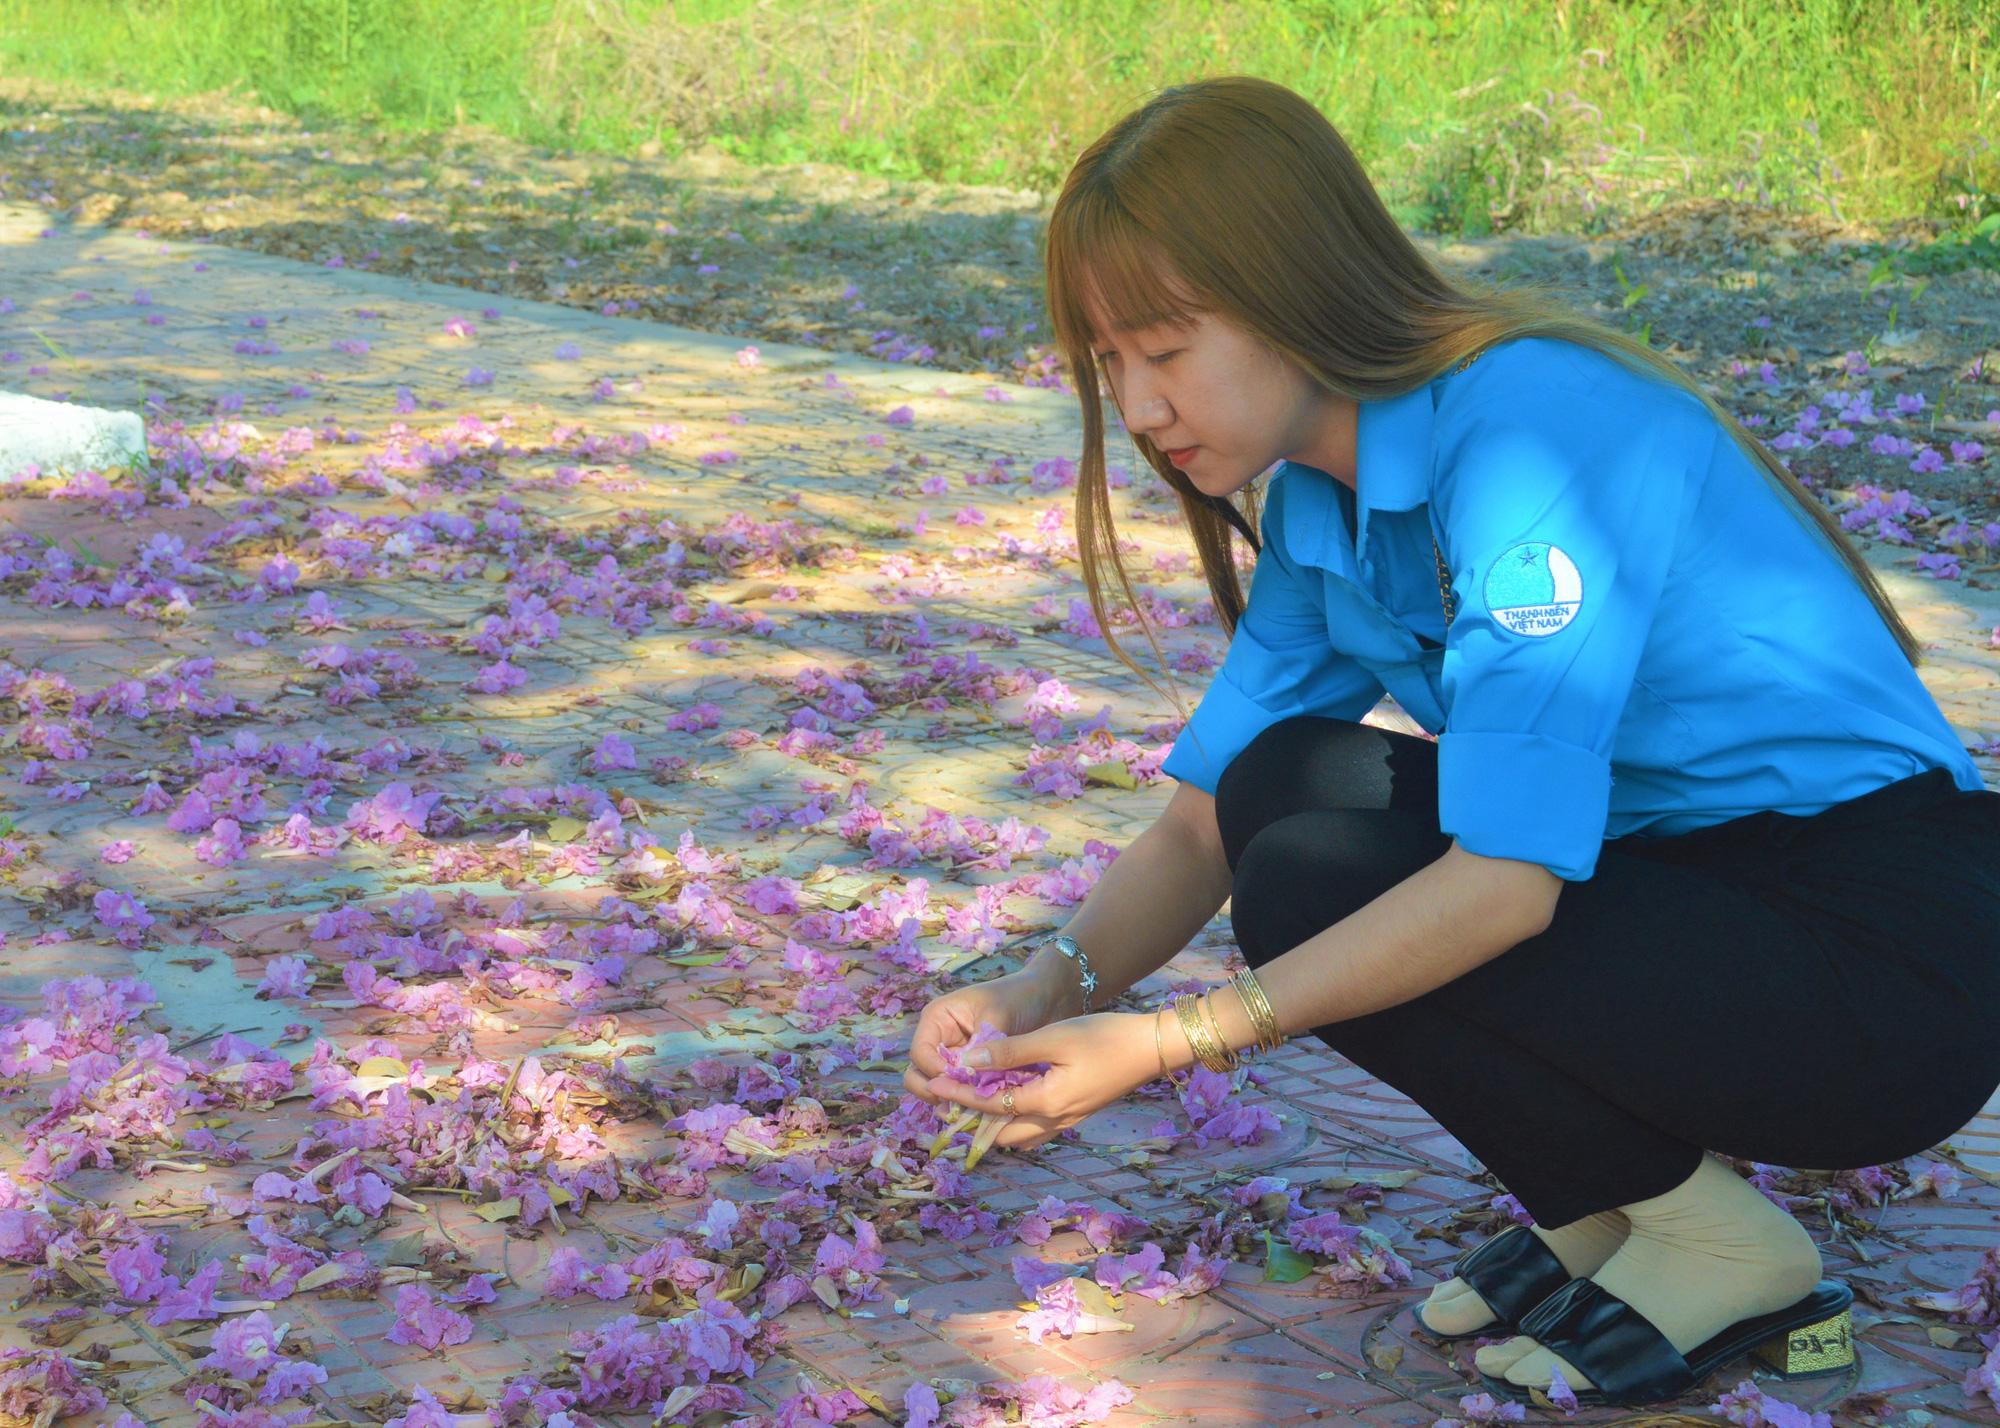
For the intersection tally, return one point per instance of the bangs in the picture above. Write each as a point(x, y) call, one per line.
point(1102, 263)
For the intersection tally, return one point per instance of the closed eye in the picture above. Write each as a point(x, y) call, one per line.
point(1160, 359)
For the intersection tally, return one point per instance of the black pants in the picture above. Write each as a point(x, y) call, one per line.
point(1814, 992)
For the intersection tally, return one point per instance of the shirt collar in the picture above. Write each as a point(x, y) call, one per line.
point(1392, 449)
point(1393, 472)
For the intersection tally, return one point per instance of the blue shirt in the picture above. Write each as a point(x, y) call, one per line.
point(1648, 637)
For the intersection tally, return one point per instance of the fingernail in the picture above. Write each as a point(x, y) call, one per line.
point(979, 1057)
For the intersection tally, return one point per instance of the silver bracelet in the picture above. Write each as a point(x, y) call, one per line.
point(1066, 945)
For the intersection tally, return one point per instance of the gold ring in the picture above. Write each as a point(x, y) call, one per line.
point(1007, 1100)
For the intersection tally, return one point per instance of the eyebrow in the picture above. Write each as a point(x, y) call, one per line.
point(1141, 322)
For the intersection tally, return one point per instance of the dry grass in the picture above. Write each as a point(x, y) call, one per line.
point(1473, 113)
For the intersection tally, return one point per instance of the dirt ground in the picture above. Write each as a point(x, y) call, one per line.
point(950, 276)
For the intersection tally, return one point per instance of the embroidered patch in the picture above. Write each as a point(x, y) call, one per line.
point(1534, 590)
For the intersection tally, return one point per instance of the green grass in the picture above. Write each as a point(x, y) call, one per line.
point(1474, 114)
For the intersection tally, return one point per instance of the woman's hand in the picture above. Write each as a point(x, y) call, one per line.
point(1092, 1060)
point(1016, 1003)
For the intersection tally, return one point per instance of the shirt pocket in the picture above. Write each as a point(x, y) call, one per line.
point(1652, 733)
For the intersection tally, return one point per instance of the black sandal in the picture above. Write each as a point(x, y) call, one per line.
point(1513, 1272)
point(1632, 1363)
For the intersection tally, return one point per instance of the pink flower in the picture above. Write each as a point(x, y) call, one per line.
point(497, 678)
point(285, 977)
point(772, 895)
point(120, 851)
point(1983, 1378)
point(986, 1082)
point(695, 719)
point(426, 1412)
point(1561, 1394)
point(244, 1348)
point(40, 1384)
point(1748, 1406)
point(123, 914)
point(612, 752)
point(718, 1224)
point(920, 1406)
point(1042, 1401)
point(222, 845)
point(194, 1301)
point(25, 1234)
point(1484, 1409)
point(902, 416)
point(138, 1270)
point(423, 1322)
point(391, 815)
point(1057, 1311)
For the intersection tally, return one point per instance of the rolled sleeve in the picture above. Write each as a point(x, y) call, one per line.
point(1280, 665)
point(1559, 525)
point(1525, 797)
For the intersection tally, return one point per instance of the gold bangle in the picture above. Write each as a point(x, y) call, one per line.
point(1206, 1051)
point(1227, 1056)
point(1196, 1034)
point(1257, 1006)
point(1159, 1043)
point(1256, 1031)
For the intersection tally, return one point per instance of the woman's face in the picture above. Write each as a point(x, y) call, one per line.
point(1219, 403)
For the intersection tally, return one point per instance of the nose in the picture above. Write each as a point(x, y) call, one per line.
point(1148, 413)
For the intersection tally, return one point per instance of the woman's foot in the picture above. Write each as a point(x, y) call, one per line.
point(1583, 1246)
point(1703, 1256)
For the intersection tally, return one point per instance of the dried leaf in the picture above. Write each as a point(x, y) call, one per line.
point(1283, 1264)
point(876, 1401)
point(498, 1210)
point(566, 830)
point(1114, 774)
point(1386, 1357)
point(382, 1066)
point(1095, 1299)
point(827, 1290)
point(1387, 1180)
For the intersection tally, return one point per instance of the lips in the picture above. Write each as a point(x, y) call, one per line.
point(1182, 456)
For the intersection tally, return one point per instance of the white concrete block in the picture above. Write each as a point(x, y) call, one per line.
point(61, 437)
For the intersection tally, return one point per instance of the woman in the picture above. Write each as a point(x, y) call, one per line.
point(1695, 863)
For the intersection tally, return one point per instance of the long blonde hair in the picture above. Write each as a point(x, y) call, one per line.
point(1236, 197)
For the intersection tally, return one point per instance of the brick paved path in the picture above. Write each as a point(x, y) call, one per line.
point(120, 320)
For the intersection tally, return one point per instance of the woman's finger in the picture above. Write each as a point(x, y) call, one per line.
point(1027, 1100)
point(918, 1085)
point(942, 1024)
point(1025, 1132)
point(1029, 1049)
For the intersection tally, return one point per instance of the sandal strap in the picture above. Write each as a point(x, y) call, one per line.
point(1612, 1343)
point(1513, 1272)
